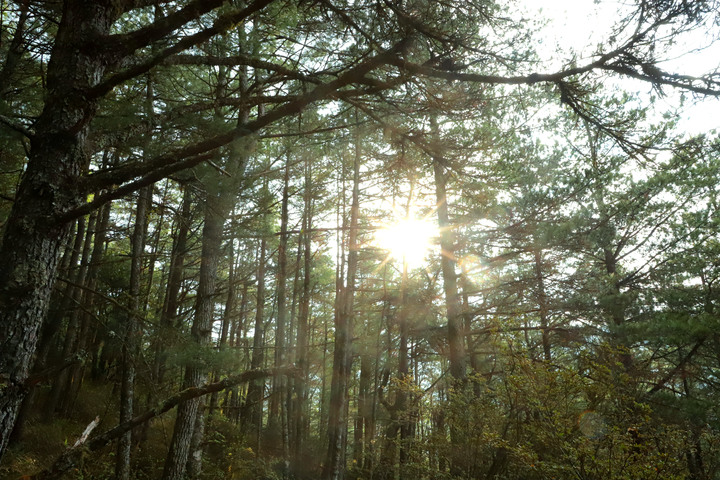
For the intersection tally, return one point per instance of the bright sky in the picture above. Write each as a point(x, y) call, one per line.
point(574, 28)
point(582, 24)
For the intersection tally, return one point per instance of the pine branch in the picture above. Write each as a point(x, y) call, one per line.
point(671, 374)
point(222, 24)
point(153, 170)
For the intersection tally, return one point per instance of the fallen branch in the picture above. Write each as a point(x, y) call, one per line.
point(88, 430)
point(73, 455)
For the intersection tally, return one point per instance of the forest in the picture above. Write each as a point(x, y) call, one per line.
point(359, 239)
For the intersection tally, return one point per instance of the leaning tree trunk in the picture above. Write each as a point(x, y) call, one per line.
point(33, 236)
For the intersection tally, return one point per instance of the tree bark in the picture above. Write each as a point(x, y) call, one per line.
point(277, 417)
point(252, 418)
point(447, 263)
point(71, 296)
point(196, 373)
point(334, 468)
point(131, 340)
point(300, 407)
point(32, 238)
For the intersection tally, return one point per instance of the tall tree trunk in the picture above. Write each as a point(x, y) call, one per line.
point(447, 264)
point(363, 427)
point(614, 302)
point(32, 237)
point(136, 304)
point(131, 337)
point(300, 407)
point(455, 330)
point(334, 468)
point(220, 196)
point(196, 373)
point(291, 403)
point(542, 304)
point(71, 295)
point(227, 319)
point(252, 418)
point(168, 324)
point(277, 419)
point(401, 397)
point(51, 326)
point(81, 320)
point(234, 413)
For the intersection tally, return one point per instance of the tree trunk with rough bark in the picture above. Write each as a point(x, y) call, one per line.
point(455, 328)
point(447, 264)
point(33, 237)
point(196, 373)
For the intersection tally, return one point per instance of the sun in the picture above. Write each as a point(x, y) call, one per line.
point(408, 239)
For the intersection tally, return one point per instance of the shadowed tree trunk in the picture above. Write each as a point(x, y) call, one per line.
point(300, 407)
point(32, 237)
point(71, 297)
point(168, 323)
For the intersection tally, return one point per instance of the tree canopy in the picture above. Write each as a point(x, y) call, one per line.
point(190, 198)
